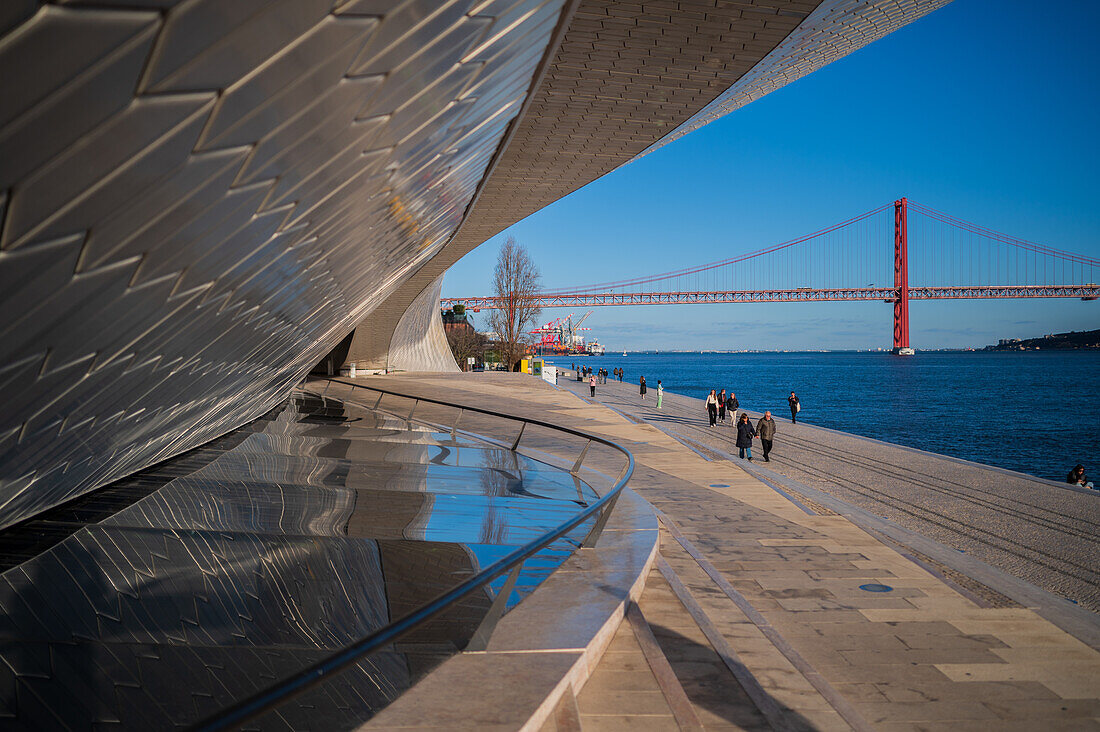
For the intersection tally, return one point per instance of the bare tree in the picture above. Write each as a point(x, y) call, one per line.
point(516, 282)
point(465, 342)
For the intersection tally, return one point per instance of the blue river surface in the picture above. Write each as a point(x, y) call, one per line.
point(1035, 412)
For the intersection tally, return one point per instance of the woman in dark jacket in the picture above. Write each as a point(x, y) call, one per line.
point(732, 404)
point(641, 387)
point(745, 433)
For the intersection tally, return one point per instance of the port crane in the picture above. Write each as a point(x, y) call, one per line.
point(559, 336)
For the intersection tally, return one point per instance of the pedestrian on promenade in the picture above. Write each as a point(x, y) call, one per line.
point(722, 406)
point(731, 405)
point(766, 429)
point(660, 393)
point(1077, 477)
point(745, 433)
point(641, 388)
point(796, 407)
point(712, 407)
point(592, 385)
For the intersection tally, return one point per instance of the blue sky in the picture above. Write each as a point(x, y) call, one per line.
point(986, 109)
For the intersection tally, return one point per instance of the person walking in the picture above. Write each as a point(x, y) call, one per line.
point(722, 406)
point(796, 407)
point(712, 407)
point(592, 384)
point(765, 428)
point(660, 393)
point(745, 433)
point(731, 406)
point(641, 388)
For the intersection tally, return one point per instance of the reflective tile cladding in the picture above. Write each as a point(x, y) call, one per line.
point(171, 594)
point(199, 199)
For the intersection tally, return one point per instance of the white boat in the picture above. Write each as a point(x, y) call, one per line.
point(624, 353)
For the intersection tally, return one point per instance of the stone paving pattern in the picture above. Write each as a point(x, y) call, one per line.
point(923, 656)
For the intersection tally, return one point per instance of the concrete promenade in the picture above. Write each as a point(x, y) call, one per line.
point(1041, 532)
point(762, 611)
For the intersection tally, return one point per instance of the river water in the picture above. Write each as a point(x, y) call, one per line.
point(1035, 412)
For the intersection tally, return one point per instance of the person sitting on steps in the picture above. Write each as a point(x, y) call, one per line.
point(1077, 477)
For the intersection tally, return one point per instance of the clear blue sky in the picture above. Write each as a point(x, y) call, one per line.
point(986, 109)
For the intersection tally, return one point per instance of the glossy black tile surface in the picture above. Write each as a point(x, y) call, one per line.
point(207, 578)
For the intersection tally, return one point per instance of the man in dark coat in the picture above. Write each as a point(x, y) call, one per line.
point(766, 429)
point(795, 406)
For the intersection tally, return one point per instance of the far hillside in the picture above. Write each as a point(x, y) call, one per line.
point(1072, 341)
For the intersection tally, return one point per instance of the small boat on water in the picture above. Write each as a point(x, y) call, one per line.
point(624, 353)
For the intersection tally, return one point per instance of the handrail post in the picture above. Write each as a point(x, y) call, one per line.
point(522, 426)
point(480, 639)
point(601, 522)
point(580, 458)
point(454, 427)
point(578, 483)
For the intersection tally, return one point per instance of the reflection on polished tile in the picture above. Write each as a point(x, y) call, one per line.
point(307, 529)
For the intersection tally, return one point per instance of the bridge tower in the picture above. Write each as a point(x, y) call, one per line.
point(901, 278)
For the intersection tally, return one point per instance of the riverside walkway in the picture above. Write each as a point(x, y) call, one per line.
point(768, 609)
point(1042, 532)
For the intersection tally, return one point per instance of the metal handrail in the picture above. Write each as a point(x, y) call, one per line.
point(264, 701)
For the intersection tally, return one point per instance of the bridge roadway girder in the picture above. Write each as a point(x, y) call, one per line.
point(873, 294)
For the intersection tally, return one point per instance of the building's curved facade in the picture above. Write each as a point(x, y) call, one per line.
point(200, 199)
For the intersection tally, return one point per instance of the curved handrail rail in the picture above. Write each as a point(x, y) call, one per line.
point(264, 701)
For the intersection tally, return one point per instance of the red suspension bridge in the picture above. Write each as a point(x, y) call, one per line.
point(950, 259)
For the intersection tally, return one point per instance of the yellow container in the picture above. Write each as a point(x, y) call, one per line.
point(524, 367)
